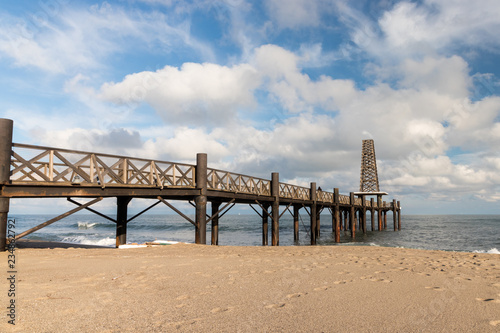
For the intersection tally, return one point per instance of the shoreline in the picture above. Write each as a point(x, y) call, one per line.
point(27, 243)
point(202, 288)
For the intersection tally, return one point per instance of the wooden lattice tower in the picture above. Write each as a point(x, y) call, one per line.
point(369, 177)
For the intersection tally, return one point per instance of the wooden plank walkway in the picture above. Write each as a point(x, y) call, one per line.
point(29, 171)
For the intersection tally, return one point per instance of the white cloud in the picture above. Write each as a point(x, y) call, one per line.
point(294, 13)
point(73, 38)
point(410, 29)
point(196, 93)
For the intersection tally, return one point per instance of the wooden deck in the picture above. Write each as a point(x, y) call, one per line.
point(36, 172)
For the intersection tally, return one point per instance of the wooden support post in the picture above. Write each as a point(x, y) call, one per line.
point(296, 209)
point(379, 211)
point(6, 126)
point(372, 210)
point(4, 212)
point(265, 224)
point(201, 199)
point(313, 213)
point(215, 222)
point(275, 209)
point(336, 215)
point(394, 217)
point(346, 220)
point(399, 215)
point(385, 219)
point(362, 214)
point(356, 220)
point(352, 216)
point(341, 221)
point(121, 220)
point(318, 222)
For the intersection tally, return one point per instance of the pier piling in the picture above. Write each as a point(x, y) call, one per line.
point(313, 213)
point(275, 209)
point(121, 220)
point(6, 126)
point(201, 199)
point(215, 222)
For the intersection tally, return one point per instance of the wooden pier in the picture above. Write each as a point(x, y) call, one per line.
point(28, 171)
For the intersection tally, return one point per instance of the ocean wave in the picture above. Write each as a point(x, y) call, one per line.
point(108, 241)
point(86, 225)
point(491, 251)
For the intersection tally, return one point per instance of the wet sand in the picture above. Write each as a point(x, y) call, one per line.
point(196, 288)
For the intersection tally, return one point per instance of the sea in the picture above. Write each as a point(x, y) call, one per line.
point(462, 233)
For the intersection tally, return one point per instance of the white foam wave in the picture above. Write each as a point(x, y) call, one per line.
point(108, 241)
point(491, 251)
point(86, 225)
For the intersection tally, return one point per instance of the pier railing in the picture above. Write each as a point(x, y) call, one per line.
point(228, 181)
point(44, 165)
point(34, 164)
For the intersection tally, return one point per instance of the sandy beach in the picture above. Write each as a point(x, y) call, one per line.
point(196, 288)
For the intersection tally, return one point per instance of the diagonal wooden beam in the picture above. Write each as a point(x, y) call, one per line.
point(71, 166)
point(142, 212)
point(29, 165)
point(55, 219)
point(176, 210)
point(108, 170)
point(265, 210)
point(286, 210)
point(98, 170)
point(220, 210)
point(255, 210)
point(138, 172)
point(92, 210)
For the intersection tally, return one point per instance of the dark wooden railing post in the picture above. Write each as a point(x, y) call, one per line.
point(6, 127)
point(336, 214)
point(121, 220)
point(399, 215)
point(265, 224)
point(201, 199)
point(215, 222)
point(362, 214)
point(352, 217)
point(372, 211)
point(394, 214)
point(313, 213)
point(318, 223)
point(385, 218)
point(379, 211)
point(296, 209)
point(275, 209)
point(346, 219)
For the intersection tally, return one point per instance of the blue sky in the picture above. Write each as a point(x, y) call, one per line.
point(261, 86)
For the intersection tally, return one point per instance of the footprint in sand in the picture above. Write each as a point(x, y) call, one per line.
point(381, 280)
point(492, 300)
point(182, 297)
point(218, 310)
point(340, 282)
point(321, 288)
point(275, 306)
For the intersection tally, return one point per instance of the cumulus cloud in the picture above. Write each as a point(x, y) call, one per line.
point(414, 122)
point(196, 93)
